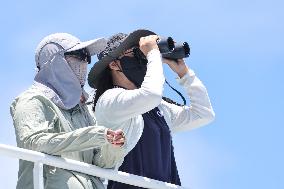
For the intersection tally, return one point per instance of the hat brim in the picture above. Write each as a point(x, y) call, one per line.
point(93, 46)
point(131, 40)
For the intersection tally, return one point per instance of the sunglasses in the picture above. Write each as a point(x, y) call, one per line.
point(81, 54)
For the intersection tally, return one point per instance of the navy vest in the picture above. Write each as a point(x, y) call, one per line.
point(153, 155)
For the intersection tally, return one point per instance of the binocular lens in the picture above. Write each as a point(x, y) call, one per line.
point(166, 44)
point(171, 50)
point(186, 49)
point(171, 43)
point(180, 51)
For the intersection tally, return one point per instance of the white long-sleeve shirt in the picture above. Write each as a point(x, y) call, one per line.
point(120, 108)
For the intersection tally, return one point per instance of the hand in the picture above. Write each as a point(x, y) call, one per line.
point(116, 138)
point(178, 66)
point(148, 43)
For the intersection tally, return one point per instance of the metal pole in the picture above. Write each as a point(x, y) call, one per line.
point(85, 168)
point(38, 175)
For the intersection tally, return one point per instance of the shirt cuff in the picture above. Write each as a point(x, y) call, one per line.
point(105, 136)
point(187, 79)
point(153, 53)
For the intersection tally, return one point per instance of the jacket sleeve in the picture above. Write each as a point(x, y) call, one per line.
point(200, 111)
point(121, 104)
point(36, 128)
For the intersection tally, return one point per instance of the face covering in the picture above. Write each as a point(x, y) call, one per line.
point(133, 69)
point(80, 70)
point(58, 82)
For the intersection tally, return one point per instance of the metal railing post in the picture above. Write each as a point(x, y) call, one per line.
point(38, 175)
point(73, 165)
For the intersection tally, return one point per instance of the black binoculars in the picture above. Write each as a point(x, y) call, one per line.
point(171, 50)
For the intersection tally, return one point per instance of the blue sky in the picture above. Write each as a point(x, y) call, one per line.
point(236, 50)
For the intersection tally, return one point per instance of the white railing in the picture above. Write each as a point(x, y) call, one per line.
point(40, 159)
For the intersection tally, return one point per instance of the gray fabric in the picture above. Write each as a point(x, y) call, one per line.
point(79, 68)
point(63, 87)
point(57, 75)
point(112, 43)
point(69, 43)
point(42, 126)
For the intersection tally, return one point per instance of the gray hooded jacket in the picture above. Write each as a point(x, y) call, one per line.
point(48, 121)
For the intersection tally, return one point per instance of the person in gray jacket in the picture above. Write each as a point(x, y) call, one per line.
point(52, 116)
point(129, 81)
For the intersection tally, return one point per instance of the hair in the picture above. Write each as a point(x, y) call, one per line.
point(103, 84)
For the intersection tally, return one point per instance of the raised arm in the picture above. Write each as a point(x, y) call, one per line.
point(200, 111)
point(122, 104)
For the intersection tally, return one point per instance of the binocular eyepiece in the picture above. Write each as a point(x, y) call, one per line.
point(171, 50)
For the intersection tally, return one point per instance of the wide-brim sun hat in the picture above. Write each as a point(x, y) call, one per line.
point(116, 45)
point(93, 46)
point(68, 43)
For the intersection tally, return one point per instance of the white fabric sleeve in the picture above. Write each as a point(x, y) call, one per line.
point(37, 128)
point(121, 104)
point(200, 111)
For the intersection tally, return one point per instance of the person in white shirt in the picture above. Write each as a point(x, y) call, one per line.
point(129, 80)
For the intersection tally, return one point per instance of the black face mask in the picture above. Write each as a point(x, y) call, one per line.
point(133, 69)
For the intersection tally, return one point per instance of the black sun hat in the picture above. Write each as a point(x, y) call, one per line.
point(116, 45)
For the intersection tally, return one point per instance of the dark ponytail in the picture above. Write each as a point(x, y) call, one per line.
point(104, 83)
